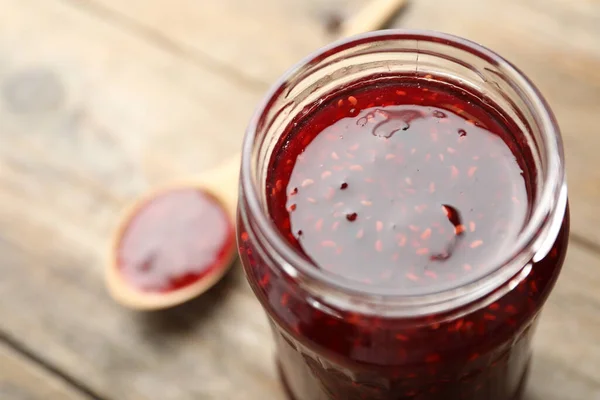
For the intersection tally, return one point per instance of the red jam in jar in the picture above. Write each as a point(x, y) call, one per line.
point(401, 186)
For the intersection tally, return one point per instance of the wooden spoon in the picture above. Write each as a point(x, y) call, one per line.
point(160, 223)
point(155, 251)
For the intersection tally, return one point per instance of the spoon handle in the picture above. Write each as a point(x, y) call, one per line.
point(223, 182)
point(374, 15)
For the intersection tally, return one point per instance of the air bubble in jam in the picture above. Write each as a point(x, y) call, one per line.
point(417, 187)
point(383, 123)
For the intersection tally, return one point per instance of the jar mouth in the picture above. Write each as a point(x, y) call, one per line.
point(550, 197)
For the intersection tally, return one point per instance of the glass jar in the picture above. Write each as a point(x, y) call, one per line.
point(470, 342)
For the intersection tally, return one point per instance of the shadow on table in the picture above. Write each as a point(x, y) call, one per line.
point(180, 320)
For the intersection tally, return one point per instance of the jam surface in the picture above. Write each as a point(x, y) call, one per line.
point(407, 186)
point(174, 240)
point(413, 190)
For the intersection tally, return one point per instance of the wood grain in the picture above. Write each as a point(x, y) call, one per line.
point(101, 100)
point(118, 105)
point(555, 42)
point(275, 33)
point(22, 379)
point(108, 116)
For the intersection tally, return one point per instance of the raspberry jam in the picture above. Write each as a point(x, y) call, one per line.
point(406, 186)
point(174, 240)
point(383, 233)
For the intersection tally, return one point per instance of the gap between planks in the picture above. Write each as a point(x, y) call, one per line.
point(162, 41)
point(585, 243)
point(80, 388)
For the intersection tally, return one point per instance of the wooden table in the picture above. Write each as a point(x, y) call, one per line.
point(102, 99)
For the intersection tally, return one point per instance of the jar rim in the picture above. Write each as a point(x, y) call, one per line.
point(551, 198)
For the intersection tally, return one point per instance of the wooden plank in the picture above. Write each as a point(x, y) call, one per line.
point(119, 115)
point(556, 42)
point(257, 40)
point(209, 349)
point(22, 379)
point(115, 108)
point(566, 349)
